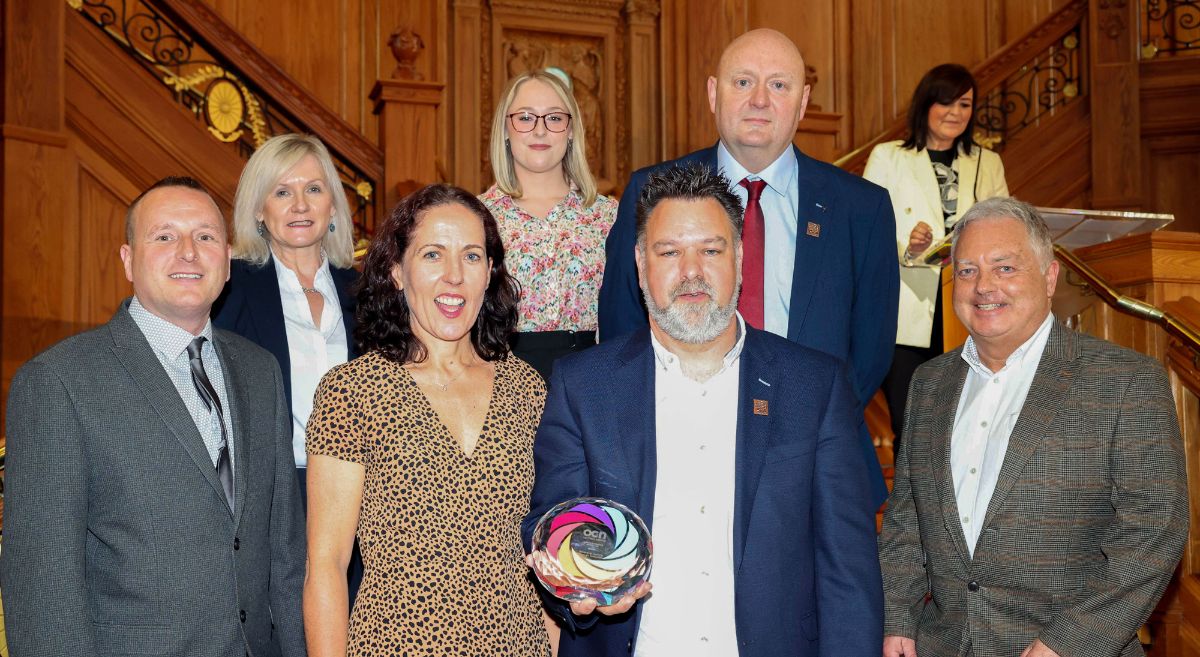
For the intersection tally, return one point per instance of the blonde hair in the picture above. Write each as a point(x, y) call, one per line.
point(575, 166)
point(268, 164)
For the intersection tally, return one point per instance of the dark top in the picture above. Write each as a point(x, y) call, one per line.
point(250, 306)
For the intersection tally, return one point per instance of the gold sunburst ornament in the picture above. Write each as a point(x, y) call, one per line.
point(225, 110)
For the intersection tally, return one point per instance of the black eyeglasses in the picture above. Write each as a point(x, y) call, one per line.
point(527, 121)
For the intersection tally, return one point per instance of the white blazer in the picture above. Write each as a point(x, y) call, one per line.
point(908, 177)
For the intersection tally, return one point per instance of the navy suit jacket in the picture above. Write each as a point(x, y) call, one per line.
point(251, 306)
point(845, 282)
point(805, 566)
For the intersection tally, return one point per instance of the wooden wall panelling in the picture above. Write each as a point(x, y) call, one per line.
point(709, 26)
point(467, 110)
point(642, 109)
point(873, 83)
point(37, 295)
point(674, 72)
point(102, 196)
point(1171, 167)
point(320, 43)
point(1050, 165)
point(586, 41)
point(1116, 148)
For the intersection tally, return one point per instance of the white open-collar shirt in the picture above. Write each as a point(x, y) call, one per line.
point(691, 611)
point(313, 349)
point(988, 409)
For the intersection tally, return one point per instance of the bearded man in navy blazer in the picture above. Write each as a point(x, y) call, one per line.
point(822, 268)
point(737, 447)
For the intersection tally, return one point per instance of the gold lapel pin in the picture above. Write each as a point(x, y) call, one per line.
point(760, 407)
point(814, 229)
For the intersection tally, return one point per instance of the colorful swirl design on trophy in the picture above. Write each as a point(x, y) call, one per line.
point(591, 548)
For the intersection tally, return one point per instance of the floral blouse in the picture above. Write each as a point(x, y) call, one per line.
point(558, 260)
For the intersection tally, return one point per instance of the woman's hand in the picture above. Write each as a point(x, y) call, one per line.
point(919, 239)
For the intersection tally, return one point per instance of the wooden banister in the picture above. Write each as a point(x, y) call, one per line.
point(990, 73)
point(285, 92)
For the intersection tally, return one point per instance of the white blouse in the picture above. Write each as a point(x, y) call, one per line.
point(313, 350)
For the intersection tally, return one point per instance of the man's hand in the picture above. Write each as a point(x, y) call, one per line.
point(899, 646)
point(1038, 649)
point(585, 607)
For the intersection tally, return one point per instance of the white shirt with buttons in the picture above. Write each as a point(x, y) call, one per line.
point(312, 349)
point(987, 412)
point(691, 610)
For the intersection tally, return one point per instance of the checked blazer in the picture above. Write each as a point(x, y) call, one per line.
point(1087, 523)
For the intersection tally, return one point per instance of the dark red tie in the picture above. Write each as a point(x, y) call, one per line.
point(750, 304)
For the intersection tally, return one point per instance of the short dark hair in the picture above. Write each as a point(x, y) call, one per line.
point(170, 181)
point(693, 181)
point(383, 316)
point(943, 84)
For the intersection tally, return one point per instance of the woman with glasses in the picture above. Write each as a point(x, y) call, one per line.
point(553, 222)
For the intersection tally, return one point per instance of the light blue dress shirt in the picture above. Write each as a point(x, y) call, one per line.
point(170, 345)
point(779, 201)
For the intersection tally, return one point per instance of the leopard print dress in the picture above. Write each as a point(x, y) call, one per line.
point(440, 532)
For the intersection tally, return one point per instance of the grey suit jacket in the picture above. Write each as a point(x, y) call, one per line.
point(117, 538)
point(1086, 525)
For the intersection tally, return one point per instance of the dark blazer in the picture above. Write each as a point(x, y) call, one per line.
point(807, 578)
point(845, 283)
point(250, 306)
point(117, 536)
point(1087, 523)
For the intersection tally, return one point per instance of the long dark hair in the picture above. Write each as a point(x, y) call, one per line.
point(383, 316)
point(942, 84)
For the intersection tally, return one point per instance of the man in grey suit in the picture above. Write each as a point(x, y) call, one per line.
point(151, 500)
point(1040, 502)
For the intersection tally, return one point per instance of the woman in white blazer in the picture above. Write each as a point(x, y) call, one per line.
point(933, 176)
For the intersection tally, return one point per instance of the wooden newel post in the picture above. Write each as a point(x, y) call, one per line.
point(408, 134)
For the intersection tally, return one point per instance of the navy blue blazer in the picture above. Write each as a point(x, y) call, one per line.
point(806, 570)
point(250, 306)
point(845, 283)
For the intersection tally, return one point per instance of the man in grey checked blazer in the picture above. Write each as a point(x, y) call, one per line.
point(119, 536)
point(1040, 501)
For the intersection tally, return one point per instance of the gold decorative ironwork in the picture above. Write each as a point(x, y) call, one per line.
point(1035, 91)
point(1170, 26)
point(232, 107)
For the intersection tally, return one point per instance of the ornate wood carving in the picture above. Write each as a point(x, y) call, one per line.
point(406, 46)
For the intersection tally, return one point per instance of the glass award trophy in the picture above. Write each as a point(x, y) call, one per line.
point(590, 547)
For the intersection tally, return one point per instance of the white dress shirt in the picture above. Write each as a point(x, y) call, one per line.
point(779, 201)
point(312, 349)
point(691, 610)
point(987, 412)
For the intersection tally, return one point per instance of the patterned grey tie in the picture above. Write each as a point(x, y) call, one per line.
point(212, 402)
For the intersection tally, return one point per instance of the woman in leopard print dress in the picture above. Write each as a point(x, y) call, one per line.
point(424, 447)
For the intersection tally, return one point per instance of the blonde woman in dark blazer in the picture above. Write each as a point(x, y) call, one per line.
point(933, 176)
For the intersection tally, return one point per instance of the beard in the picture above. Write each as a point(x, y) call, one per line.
point(693, 323)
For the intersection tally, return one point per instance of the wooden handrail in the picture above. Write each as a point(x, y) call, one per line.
point(988, 74)
point(1170, 322)
point(217, 35)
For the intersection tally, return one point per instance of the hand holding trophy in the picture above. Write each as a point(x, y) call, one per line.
point(592, 549)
